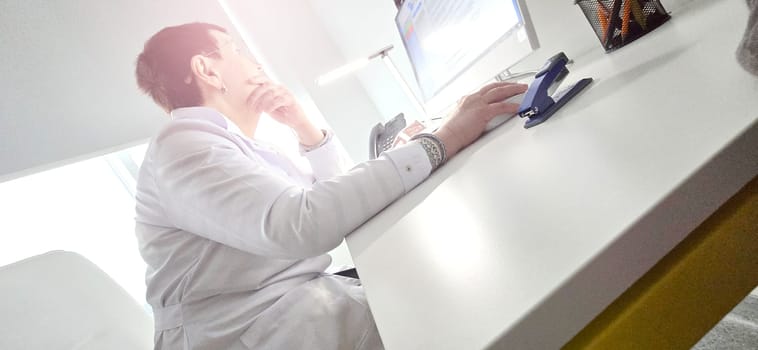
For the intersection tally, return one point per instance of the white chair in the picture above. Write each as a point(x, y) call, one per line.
point(60, 300)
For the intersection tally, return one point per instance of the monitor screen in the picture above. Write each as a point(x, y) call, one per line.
point(456, 45)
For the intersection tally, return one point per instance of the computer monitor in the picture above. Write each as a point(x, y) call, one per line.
point(455, 46)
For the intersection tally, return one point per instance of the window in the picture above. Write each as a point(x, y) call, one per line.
point(85, 207)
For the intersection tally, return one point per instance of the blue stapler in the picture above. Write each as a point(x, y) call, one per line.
point(539, 103)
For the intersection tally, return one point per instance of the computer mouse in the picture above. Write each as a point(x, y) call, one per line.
point(500, 119)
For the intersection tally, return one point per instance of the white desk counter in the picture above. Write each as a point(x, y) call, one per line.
point(527, 235)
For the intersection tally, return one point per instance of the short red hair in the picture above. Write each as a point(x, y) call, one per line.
point(164, 64)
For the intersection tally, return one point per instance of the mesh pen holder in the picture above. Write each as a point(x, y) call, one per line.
point(619, 22)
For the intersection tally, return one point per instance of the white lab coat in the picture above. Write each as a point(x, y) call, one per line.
point(235, 237)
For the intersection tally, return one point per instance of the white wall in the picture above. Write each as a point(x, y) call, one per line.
point(292, 41)
point(68, 89)
point(360, 28)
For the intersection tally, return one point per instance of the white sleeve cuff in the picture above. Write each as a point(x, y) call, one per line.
point(327, 137)
point(411, 163)
point(329, 158)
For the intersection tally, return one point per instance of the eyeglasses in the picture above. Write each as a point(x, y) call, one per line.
point(245, 53)
point(237, 48)
point(217, 51)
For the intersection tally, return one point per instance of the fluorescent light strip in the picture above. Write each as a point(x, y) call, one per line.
point(341, 71)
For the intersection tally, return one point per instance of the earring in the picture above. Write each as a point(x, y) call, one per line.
point(223, 88)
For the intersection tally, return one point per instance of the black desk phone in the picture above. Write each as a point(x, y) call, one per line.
point(383, 136)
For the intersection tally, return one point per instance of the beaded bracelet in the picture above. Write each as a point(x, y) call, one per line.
point(434, 148)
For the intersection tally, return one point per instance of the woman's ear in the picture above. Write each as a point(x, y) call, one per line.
point(202, 71)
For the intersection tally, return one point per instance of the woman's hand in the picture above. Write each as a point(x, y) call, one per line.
point(473, 113)
point(279, 103)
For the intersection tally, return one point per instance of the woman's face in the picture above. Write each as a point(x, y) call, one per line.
point(238, 70)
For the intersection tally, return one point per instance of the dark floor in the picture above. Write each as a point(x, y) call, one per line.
point(736, 331)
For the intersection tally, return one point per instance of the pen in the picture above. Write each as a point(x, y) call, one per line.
point(613, 23)
point(625, 18)
point(639, 16)
point(602, 18)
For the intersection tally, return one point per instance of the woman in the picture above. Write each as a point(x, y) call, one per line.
point(235, 235)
